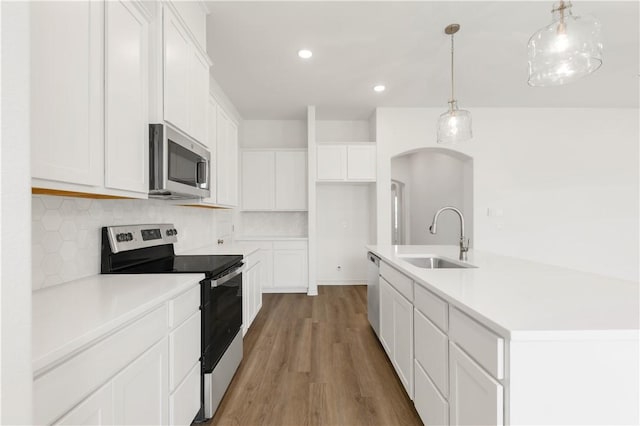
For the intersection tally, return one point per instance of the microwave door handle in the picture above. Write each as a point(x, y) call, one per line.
point(202, 170)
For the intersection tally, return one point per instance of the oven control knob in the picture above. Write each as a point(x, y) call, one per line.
point(129, 236)
point(120, 237)
point(175, 231)
point(169, 232)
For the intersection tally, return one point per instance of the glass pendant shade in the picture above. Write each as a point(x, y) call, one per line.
point(568, 49)
point(454, 125)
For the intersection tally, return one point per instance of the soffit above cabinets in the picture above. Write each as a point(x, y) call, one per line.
point(357, 45)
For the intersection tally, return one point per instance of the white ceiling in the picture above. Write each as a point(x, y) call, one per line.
point(253, 46)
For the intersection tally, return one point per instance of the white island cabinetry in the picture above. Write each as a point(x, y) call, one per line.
point(479, 360)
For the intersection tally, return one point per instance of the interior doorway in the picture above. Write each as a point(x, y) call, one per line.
point(423, 181)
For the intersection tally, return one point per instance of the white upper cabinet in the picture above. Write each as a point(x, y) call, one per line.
point(67, 92)
point(186, 78)
point(126, 97)
point(227, 159)
point(332, 162)
point(346, 162)
point(361, 162)
point(274, 180)
point(212, 126)
point(258, 180)
point(291, 180)
point(177, 60)
point(199, 96)
point(89, 97)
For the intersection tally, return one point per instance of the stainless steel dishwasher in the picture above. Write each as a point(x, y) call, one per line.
point(373, 291)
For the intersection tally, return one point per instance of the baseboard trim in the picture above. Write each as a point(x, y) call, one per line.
point(285, 290)
point(343, 282)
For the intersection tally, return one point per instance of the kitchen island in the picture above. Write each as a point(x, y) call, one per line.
point(509, 341)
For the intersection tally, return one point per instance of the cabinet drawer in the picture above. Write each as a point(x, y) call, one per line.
point(485, 347)
point(431, 306)
point(183, 306)
point(56, 391)
point(430, 405)
point(184, 349)
point(184, 403)
point(432, 351)
point(399, 281)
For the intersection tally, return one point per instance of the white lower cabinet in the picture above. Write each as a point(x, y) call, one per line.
point(290, 265)
point(251, 290)
point(97, 409)
point(147, 372)
point(284, 265)
point(430, 404)
point(476, 397)
point(396, 332)
point(140, 391)
point(184, 402)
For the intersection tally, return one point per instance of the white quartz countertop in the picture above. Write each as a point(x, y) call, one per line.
point(524, 300)
point(244, 249)
point(68, 317)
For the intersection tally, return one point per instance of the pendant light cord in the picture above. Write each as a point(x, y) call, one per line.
point(452, 86)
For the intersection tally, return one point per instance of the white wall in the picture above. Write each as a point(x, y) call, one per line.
point(344, 214)
point(16, 375)
point(433, 179)
point(273, 134)
point(67, 231)
point(566, 181)
point(343, 131)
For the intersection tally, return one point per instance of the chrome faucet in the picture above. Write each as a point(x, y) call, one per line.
point(464, 242)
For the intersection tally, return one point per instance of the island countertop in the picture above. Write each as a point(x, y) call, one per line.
point(524, 300)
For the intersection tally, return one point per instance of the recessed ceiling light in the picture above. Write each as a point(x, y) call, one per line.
point(305, 53)
point(379, 88)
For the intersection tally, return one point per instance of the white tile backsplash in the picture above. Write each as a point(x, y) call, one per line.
point(267, 224)
point(66, 231)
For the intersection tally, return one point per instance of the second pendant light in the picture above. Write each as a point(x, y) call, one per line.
point(455, 124)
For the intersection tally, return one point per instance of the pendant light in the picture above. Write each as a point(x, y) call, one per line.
point(455, 124)
point(566, 50)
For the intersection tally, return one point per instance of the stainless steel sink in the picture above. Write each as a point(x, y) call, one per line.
point(435, 263)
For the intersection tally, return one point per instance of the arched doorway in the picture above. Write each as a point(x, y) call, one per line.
point(422, 181)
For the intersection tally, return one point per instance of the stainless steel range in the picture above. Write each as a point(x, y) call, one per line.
point(148, 249)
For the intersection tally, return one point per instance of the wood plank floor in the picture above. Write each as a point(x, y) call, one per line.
point(315, 361)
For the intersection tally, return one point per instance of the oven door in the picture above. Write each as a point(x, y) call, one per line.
point(222, 316)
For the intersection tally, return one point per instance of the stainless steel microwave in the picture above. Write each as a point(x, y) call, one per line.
point(178, 166)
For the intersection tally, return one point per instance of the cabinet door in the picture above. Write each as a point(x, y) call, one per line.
point(224, 151)
point(67, 97)
point(232, 142)
point(361, 162)
point(249, 282)
point(386, 317)
point(257, 290)
point(126, 98)
point(290, 268)
point(475, 397)
point(430, 404)
point(403, 340)
point(177, 60)
point(141, 391)
point(212, 137)
point(258, 180)
point(199, 95)
point(331, 162)
point(432, 350)
point(97, 409)
point(291, 180)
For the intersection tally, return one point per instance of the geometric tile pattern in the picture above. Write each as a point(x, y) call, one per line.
point(268, 224)
point(66, 231)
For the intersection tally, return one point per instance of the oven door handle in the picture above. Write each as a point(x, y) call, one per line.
point(229, 276)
